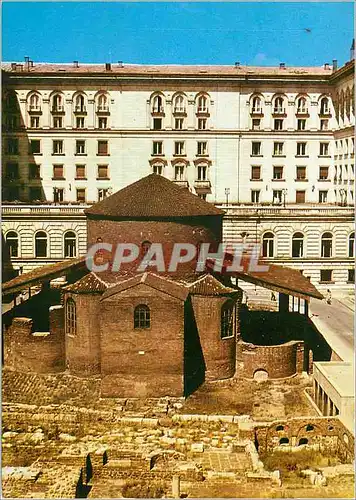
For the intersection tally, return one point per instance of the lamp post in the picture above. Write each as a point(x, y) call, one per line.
point(227, 192)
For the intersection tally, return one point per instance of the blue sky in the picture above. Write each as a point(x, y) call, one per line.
point(182, 33)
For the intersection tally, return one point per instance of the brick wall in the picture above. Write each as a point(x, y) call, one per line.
point(142, 362)
point(219, 354)
point(30, 351)
point(279, 361)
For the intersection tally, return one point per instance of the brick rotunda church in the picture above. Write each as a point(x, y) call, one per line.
point(144, 334)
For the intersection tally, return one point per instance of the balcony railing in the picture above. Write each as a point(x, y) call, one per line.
point(181, 183)
point(80, 109)
point(34, 108)
point(202, 186)
point(179, 109)
point(279, 111)
point(256, 111)
point(157, 110)
point(102, 108)
point(58, 108)
point(302, 111)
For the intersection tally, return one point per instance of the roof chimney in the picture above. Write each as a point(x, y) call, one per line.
point(121, 64)
point(326, 66)
point(76, 64)
point(108, 66)
point(282, 65)
point(334, 64)
point(13, 66)
point(352, 50)
point(237, 64)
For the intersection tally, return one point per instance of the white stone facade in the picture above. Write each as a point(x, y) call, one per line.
point(273, 146)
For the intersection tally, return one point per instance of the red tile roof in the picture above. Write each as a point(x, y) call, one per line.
point(152, 280)
point(208, 285)
point(153, 196)
point(41, 274)
point(90, 283)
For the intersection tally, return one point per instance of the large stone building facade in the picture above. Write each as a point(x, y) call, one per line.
point(273, 147)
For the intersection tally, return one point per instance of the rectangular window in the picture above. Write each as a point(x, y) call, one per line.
point(58, 147)
point(300, 196)
point(301, 173)
point(12, 170)
point(324, 124)
point(256, 173)
point(278, 148)
point(178, 123)
point(34, 121)
point(80, 147)
point(323, 196)
point(277, 173)
point(255, 195)
point(301, 148)
point(81, 195)
point(324, 149)
point(326, 276)
point(277, 197)
point(102, 193)
point(301, 124)
point(12, 146)
point(256, 124)
point(157, 148)
point(202, 148)
point(57, 122)
point(157, 169)
point(351, 275)
point(256, 149)
point(35, 194)
point(103, 148)
point(58, 195)
point(278, 124)
point(323, 173)
point(103, 171)
point(34, 171)
point(157, 123)
point(80, 122)
point(179, 173)
point(202, 123)
point(102, 122)
point(80, 172)
point(202, 173)
point(58, 172)
point(35, 146)
point(179, 148)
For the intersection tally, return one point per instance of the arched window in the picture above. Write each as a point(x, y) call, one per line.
point(157, 104)
point(12, 242)
point(79, 104)
point(202, 104)
point(227, 321)
point(352, 245)
point(102, 103)
point(268, 245)
point(256, 104)
point(142, 316)
point(70, 244)
point(179, 105)
point(326, 245)
point(279, 105)
point(57, 103)
point(301, 105)
point(34, 102)
point(297, 245)
point(324, 106)
point(41, 244)
point(71, 317)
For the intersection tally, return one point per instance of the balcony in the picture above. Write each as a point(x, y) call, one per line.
point(256, 112)
point(103, 110)
point(279, 111)
point(181, 183)
point(302, 112)
point(203, 111)
point(325, 112)
point(58, 109)
point(180, 110)
point(157, 111)
point(34, 109)
point(80, 110)
point(202, 186)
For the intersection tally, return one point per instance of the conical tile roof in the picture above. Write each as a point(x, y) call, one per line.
point(153, 196)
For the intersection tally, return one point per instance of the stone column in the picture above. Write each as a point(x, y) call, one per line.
point(176, 486)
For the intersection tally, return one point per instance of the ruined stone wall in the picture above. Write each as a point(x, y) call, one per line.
point(328, 432)
point(83, 348)
point(219, 354)
point(279, 361)
point(142, 362)
point(37, 352)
